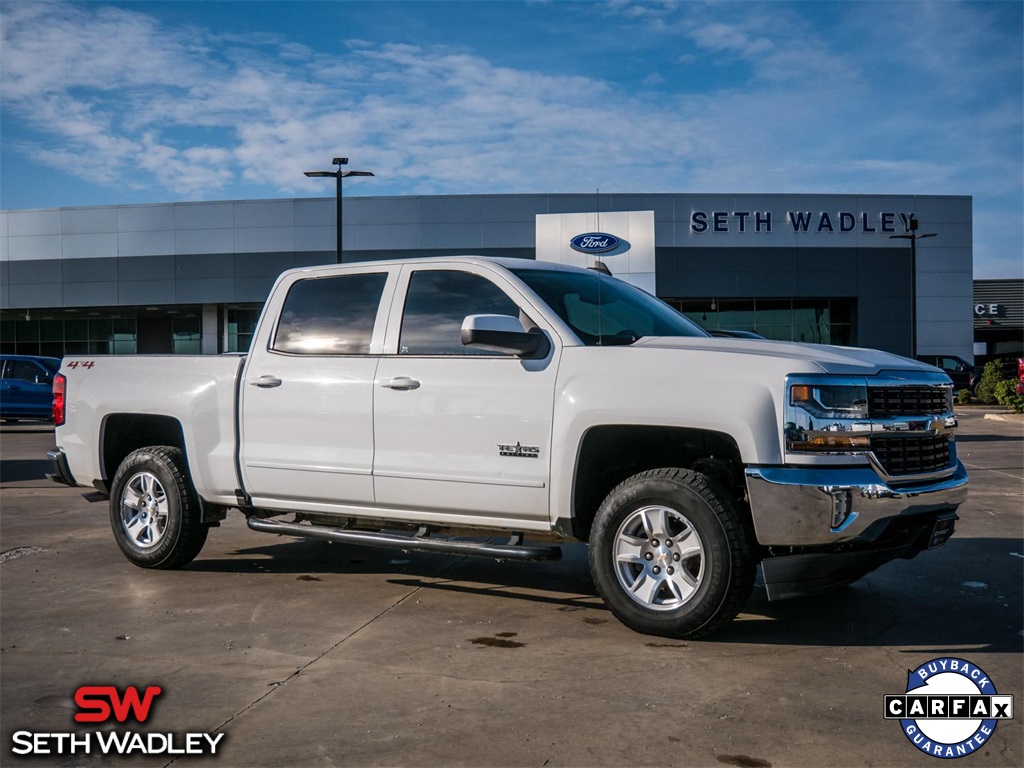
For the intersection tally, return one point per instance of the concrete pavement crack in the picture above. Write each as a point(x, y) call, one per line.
point(321, 655)
point(893, 616)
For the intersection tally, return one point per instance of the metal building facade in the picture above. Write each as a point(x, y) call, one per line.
point(121, 278)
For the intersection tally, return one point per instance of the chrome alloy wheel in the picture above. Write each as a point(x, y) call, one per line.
point(659, 558)
point(144, 510)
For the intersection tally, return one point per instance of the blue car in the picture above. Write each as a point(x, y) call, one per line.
point(26, 387)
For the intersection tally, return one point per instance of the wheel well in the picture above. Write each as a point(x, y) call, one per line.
point(126, 432)
point(610, 454)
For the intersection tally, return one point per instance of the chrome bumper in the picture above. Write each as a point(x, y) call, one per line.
point(813, 506)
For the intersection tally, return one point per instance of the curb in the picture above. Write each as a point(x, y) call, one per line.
point(1012, 418)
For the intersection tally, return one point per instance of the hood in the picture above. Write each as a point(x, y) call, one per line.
point(848, 361)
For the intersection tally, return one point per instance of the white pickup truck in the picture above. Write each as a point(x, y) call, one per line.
point(498, 407)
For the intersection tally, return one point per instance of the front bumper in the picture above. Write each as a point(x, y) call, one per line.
point(826, 527)
point(814, 506)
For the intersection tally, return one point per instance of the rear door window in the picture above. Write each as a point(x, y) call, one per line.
point(331, 315)
point(24, 370)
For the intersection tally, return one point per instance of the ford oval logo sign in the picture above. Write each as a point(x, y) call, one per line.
point(594, 242)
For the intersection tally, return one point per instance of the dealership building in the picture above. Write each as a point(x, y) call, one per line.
point(188, 278)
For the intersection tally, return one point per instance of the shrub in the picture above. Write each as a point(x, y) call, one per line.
point(990, 378)
point(1006, 394)
point(963, 396)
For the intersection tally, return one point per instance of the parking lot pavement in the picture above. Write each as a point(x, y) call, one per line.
point(307, 653)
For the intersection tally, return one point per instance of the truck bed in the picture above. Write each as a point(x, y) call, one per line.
point(196, 394)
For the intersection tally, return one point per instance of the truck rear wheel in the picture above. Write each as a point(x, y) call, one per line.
point(154, 510)
point(670, 554)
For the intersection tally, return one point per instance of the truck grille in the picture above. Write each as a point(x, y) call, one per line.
point(911, 455)
point(906, 401)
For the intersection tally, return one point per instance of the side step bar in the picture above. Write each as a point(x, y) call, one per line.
point(514, 549)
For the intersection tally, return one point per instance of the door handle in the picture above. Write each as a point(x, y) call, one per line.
point(401, 383)
point(265, 382)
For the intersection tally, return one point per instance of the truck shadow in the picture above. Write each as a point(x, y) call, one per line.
point(965, 597)
point(15, 470)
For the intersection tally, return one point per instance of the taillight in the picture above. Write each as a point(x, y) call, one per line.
point(59, 384)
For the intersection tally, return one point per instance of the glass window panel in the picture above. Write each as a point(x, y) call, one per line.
point(52, 348)
point(186, 344)
point(76, 329)
point(241, 327)
point(330, 315)
point(244, 320)
point(602, 310)
point(774, 312)
point(735, 314)
point(23, 370)
point(51, 329)
point(841, 311)
point(776, 332)
point(28, 330)
point(76, 347)
point(841, 334)
point(187, 324)
point(100, 329)
point(437, 303)
point(124, 327)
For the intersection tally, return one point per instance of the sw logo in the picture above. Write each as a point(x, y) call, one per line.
point(98, 702)
point(103, 704)
point(950, 708)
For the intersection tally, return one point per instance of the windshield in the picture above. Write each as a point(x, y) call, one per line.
point(602, 310)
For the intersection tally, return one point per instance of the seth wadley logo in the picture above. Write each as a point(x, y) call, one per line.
point(950, 708)
point(102, 704)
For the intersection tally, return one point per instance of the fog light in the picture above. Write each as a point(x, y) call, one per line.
point(842, 506)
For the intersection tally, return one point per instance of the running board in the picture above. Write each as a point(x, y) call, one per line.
point(514, 549)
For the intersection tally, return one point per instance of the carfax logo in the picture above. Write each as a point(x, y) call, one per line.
point(950, 708)
point(103, 704)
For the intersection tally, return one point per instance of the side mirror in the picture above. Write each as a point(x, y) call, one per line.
point(502, 333)
point(40, 379)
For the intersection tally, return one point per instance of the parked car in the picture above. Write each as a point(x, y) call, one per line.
point(964, 374)
point(1013, 368)
point(722, 333)
point(26, 384)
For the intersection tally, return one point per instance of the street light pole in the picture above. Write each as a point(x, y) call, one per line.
point(338, 175)
point(913, 237)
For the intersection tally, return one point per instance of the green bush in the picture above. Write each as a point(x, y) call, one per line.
point(990, 378)
point(963, 396)
point(1006, 394)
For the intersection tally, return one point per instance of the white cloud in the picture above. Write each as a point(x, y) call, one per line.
point(760, 98)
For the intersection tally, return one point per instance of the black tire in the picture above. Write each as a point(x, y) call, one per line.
point(154, 510)
point(684, 586)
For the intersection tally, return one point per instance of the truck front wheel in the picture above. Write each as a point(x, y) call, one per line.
point(154, 511)
point(670, 554)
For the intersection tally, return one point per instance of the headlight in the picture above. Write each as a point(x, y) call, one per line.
point(831, 402)
point(827, 418)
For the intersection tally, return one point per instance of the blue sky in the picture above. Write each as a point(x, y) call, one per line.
point(118, 103)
